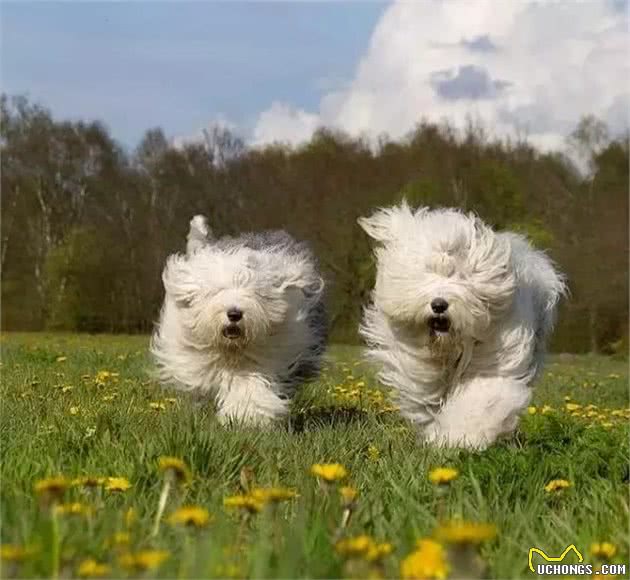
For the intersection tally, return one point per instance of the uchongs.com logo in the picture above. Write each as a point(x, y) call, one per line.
point(555, 565)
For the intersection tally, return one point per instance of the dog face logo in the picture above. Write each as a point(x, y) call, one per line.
point(560, 558)
point(231, 298)
point(442, 275)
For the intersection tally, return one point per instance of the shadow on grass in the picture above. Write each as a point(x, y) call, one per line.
point(316, 418)
point(332, 416)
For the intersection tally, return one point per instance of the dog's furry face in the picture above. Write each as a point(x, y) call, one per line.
point(442, 277)
point(230, 297)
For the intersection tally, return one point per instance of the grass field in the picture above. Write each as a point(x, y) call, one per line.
point(86, 406)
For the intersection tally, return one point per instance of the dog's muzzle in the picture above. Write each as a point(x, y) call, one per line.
point(439, 324)
point(232, 331)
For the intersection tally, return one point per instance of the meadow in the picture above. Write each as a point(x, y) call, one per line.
point(87, 436)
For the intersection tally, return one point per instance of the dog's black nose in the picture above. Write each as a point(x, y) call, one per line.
point(234, 314)
point(439, 305)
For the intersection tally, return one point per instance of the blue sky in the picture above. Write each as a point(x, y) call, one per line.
point(179, 64)
point(277, 71)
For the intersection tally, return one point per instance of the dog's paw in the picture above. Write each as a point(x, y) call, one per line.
point(437, 435)
point(244, 417)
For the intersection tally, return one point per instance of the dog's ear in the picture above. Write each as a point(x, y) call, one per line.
point(382, 224)
point(377, 226)
point(179, 282)
point(198, 234)
point(305, 277)
point(311, 286)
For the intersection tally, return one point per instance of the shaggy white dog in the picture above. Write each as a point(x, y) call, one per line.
point(242, 322)
point(458, 321)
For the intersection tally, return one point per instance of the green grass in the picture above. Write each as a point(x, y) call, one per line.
point(125, 437)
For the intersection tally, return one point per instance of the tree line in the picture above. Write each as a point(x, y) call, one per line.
point(87, 223)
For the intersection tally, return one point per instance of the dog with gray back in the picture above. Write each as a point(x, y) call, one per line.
point(459, 321)
point(243, 321)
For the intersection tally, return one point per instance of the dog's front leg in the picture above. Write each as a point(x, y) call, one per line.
point(479, 411)
point(249, 399)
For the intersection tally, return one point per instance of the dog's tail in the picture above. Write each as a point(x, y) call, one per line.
point(197, 235)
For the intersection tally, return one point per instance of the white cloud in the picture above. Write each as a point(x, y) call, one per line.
point(284, 123)
point(526, 67)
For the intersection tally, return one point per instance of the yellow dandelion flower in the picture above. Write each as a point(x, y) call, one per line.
point(357, 546)
point(109, 398)
point(74, 509)
point(557, 485)
point(348, 494)
point(74, 410)
point(176, 468)
point(607, 424)
point(531, 410)
point(90, 568)
point(603, 550)
point(53, 487)
point(572, 407)
point(192, 516)
point(443, 475)
point(379, 551)
point(157, 406)
point(118, 540)
point(61, 359)
point(329, 472)
point(88, 481)
point(67, 388)
point(245, 502)
point(102, 377)
point(365, 547)
point(144, 560)
point(15, 553)
point(462, 532)
point(373, 452)
point(273, 494)
point(117, 484)
point(546, 409)
point(427, 562)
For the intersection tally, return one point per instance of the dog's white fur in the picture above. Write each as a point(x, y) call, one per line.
point(467, 385)
point(274, 282)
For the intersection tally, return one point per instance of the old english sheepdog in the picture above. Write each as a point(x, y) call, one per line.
point(243, 321)
point(458, 321)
